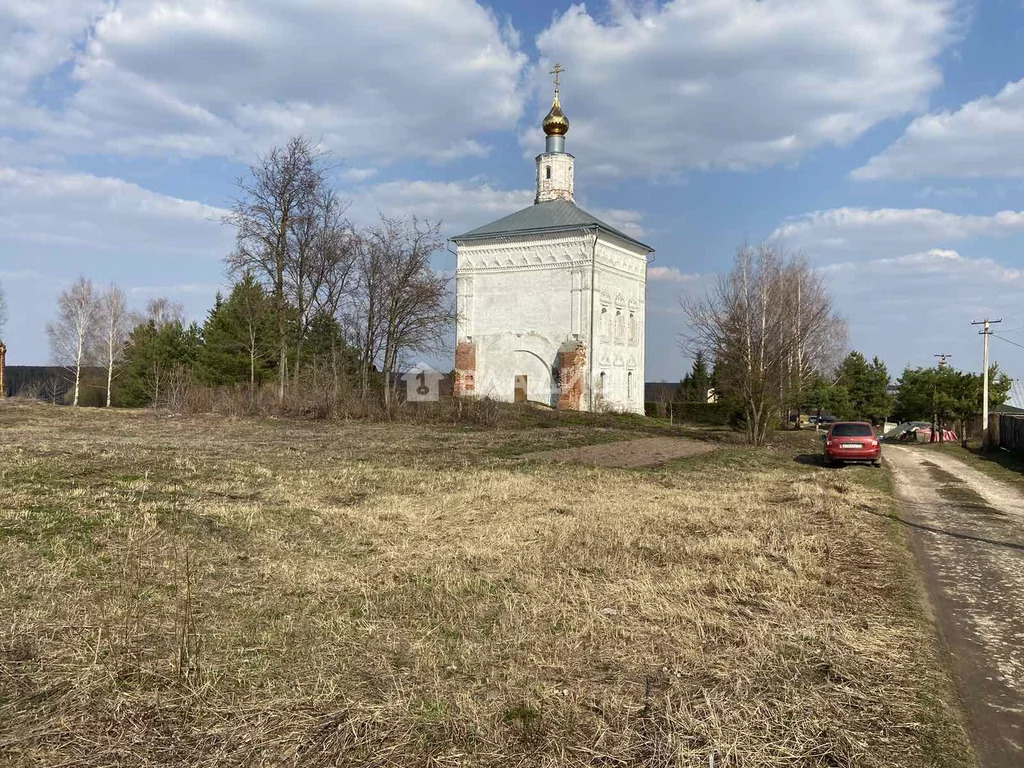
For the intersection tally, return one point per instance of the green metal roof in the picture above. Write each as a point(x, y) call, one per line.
point(549, 216)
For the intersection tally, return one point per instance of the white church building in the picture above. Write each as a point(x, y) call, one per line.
point(551, 299)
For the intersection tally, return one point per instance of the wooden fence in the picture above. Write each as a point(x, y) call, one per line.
point(1011, 432)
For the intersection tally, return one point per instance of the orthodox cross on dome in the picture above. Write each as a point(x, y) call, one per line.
point(556, 123)
point(559, 69)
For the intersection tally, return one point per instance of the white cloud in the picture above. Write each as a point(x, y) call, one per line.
point(190, 289)
point(670, 275)
point(383, 79)
point(655, 89)
point(981, 139)
point(889, 231)
point(38, 36)
point(93, 213)
point(905, 291)
point(935, 261)
point(19, 274)
point(623, 219)
point(460, 205)
point(909, 307)
point(358, 175)
point(55, 225)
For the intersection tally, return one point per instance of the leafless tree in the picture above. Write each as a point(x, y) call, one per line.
point(320, 263)
point(405, 306)
point(769, 325)
point(52, 387)
point(113, 327)
point(72, 334)
point(276, 200)
point(255, 313)
point(163, 312)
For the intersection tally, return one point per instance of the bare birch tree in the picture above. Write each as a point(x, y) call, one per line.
point(769, 325)
point(163, 312)
point(409, 305)
point(113, 327)
point(71, 335)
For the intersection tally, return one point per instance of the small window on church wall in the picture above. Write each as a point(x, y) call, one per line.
point(629, 385)
point(620, 327)
point(603, 327)
point(600, 384)
point(547, 172)
point(632, 328)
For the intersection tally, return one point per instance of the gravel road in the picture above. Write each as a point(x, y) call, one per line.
point(967, 530)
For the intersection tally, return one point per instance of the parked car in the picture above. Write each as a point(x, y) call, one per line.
point(852, 441)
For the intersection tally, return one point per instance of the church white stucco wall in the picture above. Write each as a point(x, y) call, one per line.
point(547, 286)
point(521, 298)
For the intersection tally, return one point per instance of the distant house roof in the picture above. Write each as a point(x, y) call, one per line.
point(549, 216)
point(1006, 408)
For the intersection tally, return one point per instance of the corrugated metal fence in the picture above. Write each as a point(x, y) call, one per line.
point(1011, 432)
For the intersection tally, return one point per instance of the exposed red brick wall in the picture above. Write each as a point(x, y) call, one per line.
point(465, 368)
point(572, 360)
point(3, 369)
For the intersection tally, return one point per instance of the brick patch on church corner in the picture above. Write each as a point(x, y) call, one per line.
point(572, 359)
point(465, 368)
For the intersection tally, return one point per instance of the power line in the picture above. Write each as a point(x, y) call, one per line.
point(1008, 341)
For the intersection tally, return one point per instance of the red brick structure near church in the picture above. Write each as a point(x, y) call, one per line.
point(572, 361)
point(3, 370)
point(465, 368)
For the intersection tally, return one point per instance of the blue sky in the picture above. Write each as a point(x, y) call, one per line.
point(883, 138)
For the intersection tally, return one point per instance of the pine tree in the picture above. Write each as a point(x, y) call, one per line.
point(239, 337)
point(867, 386)
point(700, 379)
point(156, 354)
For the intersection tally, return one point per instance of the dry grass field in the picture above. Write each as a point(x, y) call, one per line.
point(205, 591)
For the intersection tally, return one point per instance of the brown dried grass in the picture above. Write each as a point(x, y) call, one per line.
point(208, 591)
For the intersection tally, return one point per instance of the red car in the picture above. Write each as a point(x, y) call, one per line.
point(852, 441)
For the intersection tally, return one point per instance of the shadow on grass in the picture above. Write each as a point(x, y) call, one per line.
point(1011, 461)
point(810, 459)
point(818, 460)
point(942, 531)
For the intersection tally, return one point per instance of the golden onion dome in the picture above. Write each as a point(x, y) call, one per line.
point(556, 123)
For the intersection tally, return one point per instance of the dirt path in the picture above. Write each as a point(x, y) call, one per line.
point(967, 530)
point(647, 452)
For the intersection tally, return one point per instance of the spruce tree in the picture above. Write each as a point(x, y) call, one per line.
point(239, 337)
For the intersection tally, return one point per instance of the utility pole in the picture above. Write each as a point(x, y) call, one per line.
point(986, 332)
point(942, 364)
point(933, 438)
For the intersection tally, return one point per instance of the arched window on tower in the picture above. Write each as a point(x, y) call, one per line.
point(629, 386)
point(603, 326)
point(547, 171)
point(600, 384)
point(620, 327)
point(632, 328)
